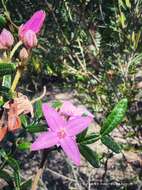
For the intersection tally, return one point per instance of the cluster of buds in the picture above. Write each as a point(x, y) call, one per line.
point(27, 34)
point(28, 31)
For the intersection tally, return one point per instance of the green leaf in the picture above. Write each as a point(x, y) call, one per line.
point(17, 180)
point(38, 109)
point(34, 128)
point(2, 21)
point(6, 81)
point(122, 19)
point(3, 154)
point(5, 92)
point(128, 4)
point(26, 185)
point(24, 145)
point(7, 68)
point(82, 135)
point(56, 104)
point(111, 144)
point(89, 139)
point(91, 156)
point(6, 176)
point(16, 172)
point(24, 120)
point(13, 163)
point(115, 117)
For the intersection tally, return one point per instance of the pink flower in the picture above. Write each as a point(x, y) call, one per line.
point(61, 133)
point(6, 39)
point(34, 23)
point(68, 109)
point(30, 39)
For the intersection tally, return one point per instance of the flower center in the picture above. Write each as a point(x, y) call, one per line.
point(61, 134)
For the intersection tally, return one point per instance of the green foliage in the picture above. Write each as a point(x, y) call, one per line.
point(5, 175)
point(89, 139)
point(90, 155)
point(115, 117)
point(2, 21)
point(7, 68)
point(38, 108)
point(92, 48)
point(111, 144)
point(23, 145)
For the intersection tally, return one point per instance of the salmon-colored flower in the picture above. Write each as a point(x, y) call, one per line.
point(10, 120)
point(24, 105)
point(61, 133)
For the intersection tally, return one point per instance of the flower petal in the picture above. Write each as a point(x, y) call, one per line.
point(77, 125)
point(3, 131)
point(71, 149)
point(67, 109)
point(45, 140)
point(54, 120)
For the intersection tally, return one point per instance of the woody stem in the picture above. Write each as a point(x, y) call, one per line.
point(15, 48)
point(40, 170)
point(16, 79)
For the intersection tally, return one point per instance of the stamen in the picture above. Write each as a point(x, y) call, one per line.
point(61, 134)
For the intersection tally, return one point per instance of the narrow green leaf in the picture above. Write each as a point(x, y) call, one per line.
point(38, 109)
point(3, 154)
point(23, 120)
point(111, 144)
point(17, 180)
point(5, 92)
point(128, 4)
point(16, 172)
point(2, 21)
point(7, 68)
point(6, 82)
point(13, 163)
point(91, 156)
point(82, 135)
point(26, 185)
point(89, 139)
point(24, 145)
point(6, 176)
point(56, 104)
point(115, 117)
point(36, 128)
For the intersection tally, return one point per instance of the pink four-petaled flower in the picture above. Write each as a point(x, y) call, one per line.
point(61, 132)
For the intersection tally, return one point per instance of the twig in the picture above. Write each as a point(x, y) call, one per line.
point(40, 170)
point(75, 176)
point(15, 48)
point(40, 97)
point(60, 175)
point(16, 79)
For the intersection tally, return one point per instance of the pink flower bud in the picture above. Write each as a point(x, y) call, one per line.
point(6, 39)
point(30, 39)
point(34, 23)
point(23, 55)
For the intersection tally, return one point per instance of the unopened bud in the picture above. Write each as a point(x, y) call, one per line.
point(6, 39)
point(30, 39)
point(23, 55)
